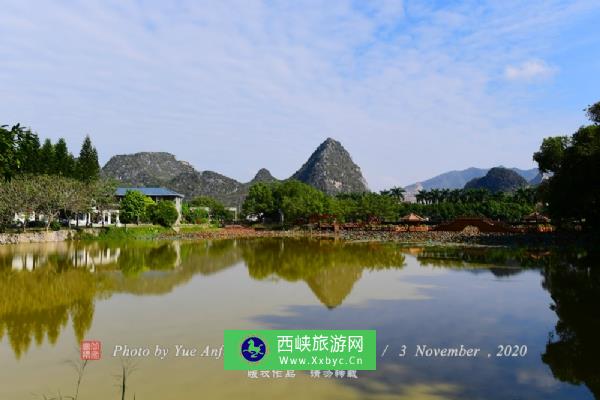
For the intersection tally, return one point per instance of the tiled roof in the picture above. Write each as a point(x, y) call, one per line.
point(149, 191)
point(412, 217)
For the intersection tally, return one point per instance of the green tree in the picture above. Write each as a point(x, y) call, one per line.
point(396, 193)
point(149, 205)
point(260, 200)
point(573, 190)
point(297, 201)
point(164, 213)
point(46, 157)
point(593, 113)
point(28, 153)
point(551, 153)
point(133, 206)
point(16, 147)
point(216, 208)
point(64, 162)
point(372, 205)
point(87, 167)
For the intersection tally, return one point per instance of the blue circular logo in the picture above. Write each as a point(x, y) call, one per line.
point(253, 349)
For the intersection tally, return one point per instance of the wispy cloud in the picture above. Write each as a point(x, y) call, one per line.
point(529, 71)
point(410, 88)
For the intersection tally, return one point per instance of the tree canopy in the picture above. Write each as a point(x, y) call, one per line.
point(48, 195)
point(133, 206)
point(573, 190)
point(298, 202)
point(88, 168)
point(21, 153)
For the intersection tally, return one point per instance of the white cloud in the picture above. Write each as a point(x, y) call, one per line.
point(529, 71)
point(232, 86)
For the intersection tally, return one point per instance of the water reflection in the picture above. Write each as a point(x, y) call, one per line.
point(38, 305)
point(45, 288)
point(330, 268)
point(573, 349)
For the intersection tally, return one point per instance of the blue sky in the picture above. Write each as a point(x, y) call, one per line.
point(410, 88)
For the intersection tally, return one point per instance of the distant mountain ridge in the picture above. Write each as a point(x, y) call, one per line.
point(163, 169)
point(458, 179)
point(330, 169)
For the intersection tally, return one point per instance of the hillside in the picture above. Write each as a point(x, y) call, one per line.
point(146, 168)
point(498, 179)
point(330, 168)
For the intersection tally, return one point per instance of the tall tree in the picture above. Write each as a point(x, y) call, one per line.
point(573, 191)
point(46, 157)
point(88, 168)
point(64, 162)
point(396, 193)
point(28, 152)
point(16, 144)
point(8, 158)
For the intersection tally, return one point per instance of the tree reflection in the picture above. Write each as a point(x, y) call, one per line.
point(39, 304)
point(573, 350)
point(500, 261)
point(45, 286)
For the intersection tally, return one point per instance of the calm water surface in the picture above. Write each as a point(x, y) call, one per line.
point(144, 294)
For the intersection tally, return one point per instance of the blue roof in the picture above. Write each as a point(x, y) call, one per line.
point(149, 191)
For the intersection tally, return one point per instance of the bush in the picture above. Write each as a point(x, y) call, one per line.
point(194, 215)
point(217, 209)
point(164, 213)
point(55, 225)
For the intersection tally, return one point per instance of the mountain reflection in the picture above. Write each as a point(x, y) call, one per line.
point(44, 286)
point(329, 267)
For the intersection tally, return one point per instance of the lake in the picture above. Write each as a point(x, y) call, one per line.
point(143, 294)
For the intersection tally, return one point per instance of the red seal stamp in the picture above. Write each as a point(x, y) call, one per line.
point(91, 350)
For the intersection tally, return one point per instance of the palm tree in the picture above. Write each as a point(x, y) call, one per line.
point(455, 195)
point(435, 196)
point(444, 195)
point(420, 196)
point(397, 193)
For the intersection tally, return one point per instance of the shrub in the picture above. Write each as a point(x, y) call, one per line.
point(164, 213)
point(55, 225)
point(194, 215)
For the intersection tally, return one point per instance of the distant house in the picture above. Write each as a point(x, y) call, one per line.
point(155, 193)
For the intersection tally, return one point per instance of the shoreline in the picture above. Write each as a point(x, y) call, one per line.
point(429, 238)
